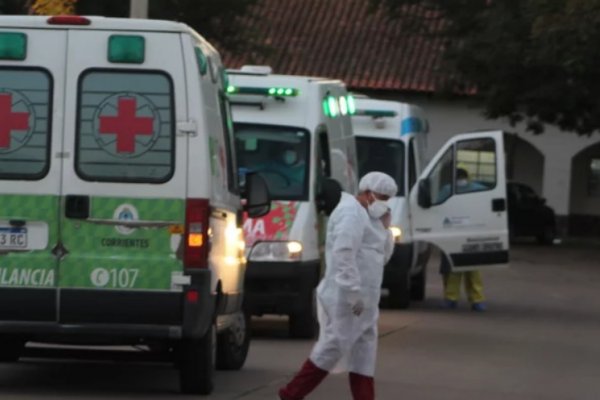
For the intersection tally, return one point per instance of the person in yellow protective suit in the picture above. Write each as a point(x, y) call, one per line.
point(452, 283)
point(357, 246)
point(472, 279)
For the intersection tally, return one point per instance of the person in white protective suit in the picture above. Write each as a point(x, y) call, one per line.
point(357, 246)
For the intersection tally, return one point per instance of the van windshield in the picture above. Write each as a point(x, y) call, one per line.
point(279, 153)
point(382, 155)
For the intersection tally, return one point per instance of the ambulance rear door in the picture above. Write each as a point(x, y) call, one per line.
point(459, 203)
point(32, 63)
point(124, 178)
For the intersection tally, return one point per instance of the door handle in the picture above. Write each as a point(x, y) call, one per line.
point(498, 205)
point(77, 206)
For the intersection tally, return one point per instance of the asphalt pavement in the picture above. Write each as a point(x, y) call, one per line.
point(540, 339)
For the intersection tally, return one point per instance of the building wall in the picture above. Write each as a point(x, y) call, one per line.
point(542, 161)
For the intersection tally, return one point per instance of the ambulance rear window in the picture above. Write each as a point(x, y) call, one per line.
point(25, 111)
point(125, 126)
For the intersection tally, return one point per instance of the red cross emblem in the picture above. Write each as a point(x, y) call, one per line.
point(10, 121)
point(126, 125)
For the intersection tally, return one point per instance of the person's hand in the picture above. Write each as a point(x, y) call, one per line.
point(358, 307)
point(386, 220)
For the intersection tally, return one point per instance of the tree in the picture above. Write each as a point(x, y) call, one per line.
point(53, 7)
point(535, 61)
point(217, 20)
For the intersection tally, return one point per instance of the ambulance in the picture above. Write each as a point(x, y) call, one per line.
point(296, 133)
point(469, 226)
point(120, 212)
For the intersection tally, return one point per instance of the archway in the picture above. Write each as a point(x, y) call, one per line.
point(584, 218)
point(524, 162)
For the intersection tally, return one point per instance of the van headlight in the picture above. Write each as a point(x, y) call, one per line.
point(396, 233)
point(276, 251)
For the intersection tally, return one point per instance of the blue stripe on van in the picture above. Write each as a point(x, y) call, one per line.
point(411, 125)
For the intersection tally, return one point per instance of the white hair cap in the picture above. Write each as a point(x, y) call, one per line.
point(378, 182)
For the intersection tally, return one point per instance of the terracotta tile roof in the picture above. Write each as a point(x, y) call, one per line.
point(341, 39)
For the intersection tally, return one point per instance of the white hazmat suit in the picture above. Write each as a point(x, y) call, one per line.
point(357, 248)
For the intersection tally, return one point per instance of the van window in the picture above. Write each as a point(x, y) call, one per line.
point(227, 121)
point(125, 126)
point(441, 178)
point(412, 165)
point(280, 154)
point(324, 159)
point(25, 121)
point(382, 155)
point(475, 165)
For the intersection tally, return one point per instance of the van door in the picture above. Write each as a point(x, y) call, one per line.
point(460, 202)
point(124, 181)
point(31, 89)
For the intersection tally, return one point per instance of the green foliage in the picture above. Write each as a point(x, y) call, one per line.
point(535, 61)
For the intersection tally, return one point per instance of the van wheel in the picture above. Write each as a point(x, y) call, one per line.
point(233, 344)
point(10, 348)
point(399, 296)
point(417, 286)
point(197, 364)
point(303, 324)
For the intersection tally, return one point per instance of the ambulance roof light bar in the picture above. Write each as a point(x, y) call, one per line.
point(263, 91)
point(377, 113)
point(257, 69)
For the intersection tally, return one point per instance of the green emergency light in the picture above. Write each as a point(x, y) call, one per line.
point(126, 49)
point(13, 46)
point(351, 104)
point(331, 106)
point(261, 91)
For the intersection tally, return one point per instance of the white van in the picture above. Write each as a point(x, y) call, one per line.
point(120, 215)
point(469, 225)
point(296, 132)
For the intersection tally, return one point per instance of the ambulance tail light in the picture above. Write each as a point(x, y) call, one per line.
point(68, 20)
point(196, 233)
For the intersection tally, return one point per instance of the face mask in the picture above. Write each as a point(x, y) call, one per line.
point(462, 182)
point(290, 157)
point(377, 208)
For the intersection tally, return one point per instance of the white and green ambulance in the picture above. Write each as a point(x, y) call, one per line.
point(297, 133)
point(469, 226)
point(120, 215)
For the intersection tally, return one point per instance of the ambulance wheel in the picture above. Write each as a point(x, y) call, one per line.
point(10, 348)
point(417, 286)
point(304, 324)
point(233, 344)
point(399, 296)
point(197, 364)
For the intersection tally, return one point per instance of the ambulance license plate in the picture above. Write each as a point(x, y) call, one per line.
point(13, 238)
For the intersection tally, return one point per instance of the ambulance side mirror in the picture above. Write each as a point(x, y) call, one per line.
point(329, 195)
point(424, 194)
point(256, 195)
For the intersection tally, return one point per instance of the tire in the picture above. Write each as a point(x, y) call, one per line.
point(400, 294)
point(304, 324)
point(417, 287)
point(233, 344)
point(11, 348)
point(547, 236)
point(197, 364)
